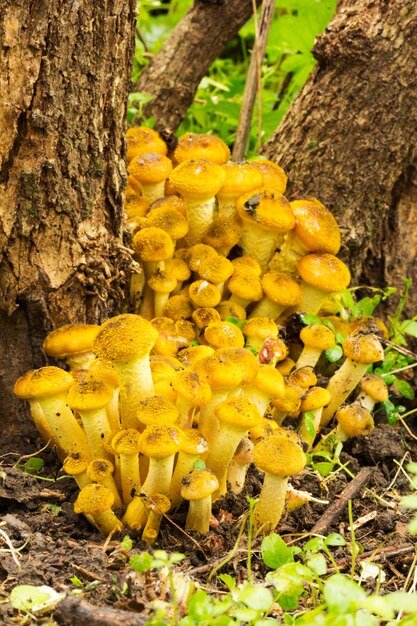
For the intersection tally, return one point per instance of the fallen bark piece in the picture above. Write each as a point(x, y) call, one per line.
point(74, 611)
point(336, 508)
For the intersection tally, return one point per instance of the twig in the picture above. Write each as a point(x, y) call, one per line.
point(253, 81)
point(73, 611)
point(11, 548)
point(336, 508)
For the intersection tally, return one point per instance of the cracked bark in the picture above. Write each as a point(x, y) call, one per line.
point(350, 137)
point(64, 79)
point(173, 75)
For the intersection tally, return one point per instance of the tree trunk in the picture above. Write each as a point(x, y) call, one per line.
point(173, 75)
point(64, 76)
point(350, 137)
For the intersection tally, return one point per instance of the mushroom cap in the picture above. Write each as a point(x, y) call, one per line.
point(104, 371)
point(45, 382)
point(163, 366)
point(89, 395)
point(157, 410)
point(317, 336)
point(158, 503)
point(198, 254)
point(170, 202)
point(374, 386)
point(126, 441)
point(141, 140)
point(371, 324)
point(291, 401)
point(150, 168)
point(246, 286)
point(199, 484)
point(75, 464)
point(70, 339)
point(239, 178)
point(20, 387)
point(162, 282)
point(160, 442)
point(178, 307)
point(261, 328)
point(315, 398)
point(189, 356)
point(303, 377)
point(270, 381)
point(274, 349)
point(178, 268)
point(273, 175)
point(168, 219)
point(94, 499)
point(153, 244)
point(265, 428)
point(266, 208)
point(354, 420)
point(286, 365)
point(204, 294)
point(125, 337)
point(203, 316)
point(216, 270)
point(223, 232)
point(281, 289)
point(228, 308)
point(201, 146)
point(324, 271)
point(247, 264)
point(193, 442)
point(363, 348)
point(244, 358)
point(279, 455)
point(224, 334)
point(228, 368)
point(315, 226)
point(238, 412)
point(99, 469)
point(197, 179)
point(188, 385)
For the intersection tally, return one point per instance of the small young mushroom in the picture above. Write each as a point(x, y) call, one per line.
point(96, 501)
point(160, 444)
point(72, 342)
point(126, 444)
point(281, 292)
point(192, 447)
point(322, 274)
point(313, 403)
point(353, 420)
point(151, 170)
point(239, 465)
point(157, 505)
point(373, 389)
point(316, 338)
point(101, 471)
point(198, 488)
point(192, 146)
point(239, 178)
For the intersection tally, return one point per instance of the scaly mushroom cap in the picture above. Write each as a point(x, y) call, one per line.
point(141, 140)
point(199, 484)
point(274, 177)
point(169, 220)
point(198, 254)
point(94, 499)
point(193, 146)
point(189, 356)
point(204, 294)
point(153, 244)
point(363, 348)
point(89, 395)
point(281, 289)
point(370, 324)
point(163, 366)
point(178, 269)
point(227, 308)
point(217, 270)
point(354, 420)
point(317, 336)
point(304, 377)
point(158, 504)
point(162, 282)
point(99, 469)
point(324, 271)
point(239, 178)
point(244, 358)
point(374, 386)
point(20, 388)
point(104, 371)
point(198, 179)
point(315, 226)
point(279, 455)
point(247, 264)
point(188, 385)
point(223, 232)
point(270, 381)
point(178, 307)
point(126, 441)
point(291, 401)
point(224, 335)
point(157, 410)
point(260, 328)
point(340, 326)
point(75, 464)
point(314, 399)
point(125, 337)
point(193, 442)
point(150, 168)
point(159, 442)
point(204, 316)
point(265, 428)
point(170, 202)
point(44, 382)
point(246, 286)
point(264, 207)
point(238, 412)
point(70, 339)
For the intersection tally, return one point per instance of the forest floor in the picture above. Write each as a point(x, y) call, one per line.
point(43, 542)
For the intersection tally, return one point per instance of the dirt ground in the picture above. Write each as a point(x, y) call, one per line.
point(51, 544)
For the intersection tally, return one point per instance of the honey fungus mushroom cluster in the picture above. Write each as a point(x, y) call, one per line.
point(168, 406)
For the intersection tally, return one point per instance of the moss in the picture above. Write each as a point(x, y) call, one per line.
point(30, 195)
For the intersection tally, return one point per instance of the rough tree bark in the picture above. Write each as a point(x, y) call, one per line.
point(64, 78)
point(350, 137)
point(173, 75)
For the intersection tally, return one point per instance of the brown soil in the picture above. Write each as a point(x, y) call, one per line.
point(53, 544)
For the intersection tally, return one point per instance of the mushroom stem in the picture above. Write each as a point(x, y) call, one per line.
point(342, 383)
point(198, 517)
point(269, 508)
point(159, 476)
point(65, 428)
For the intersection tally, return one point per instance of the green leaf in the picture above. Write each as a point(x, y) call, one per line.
point(76, 581)
point(228, 580)
point(141, 562)
point(308, 422)
point(275, 551)
point(405, 389)
point(366, 306)
point(318, 564)
point(334, 539)
point(409, 327)
point(289, 579)
point(200, 606)
point(334, 353)
point(342, 594)
point(309, 318)
point(126, 544)
point(34, 465)
point(256, 597)
point(33, 599)
point(324, 468)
